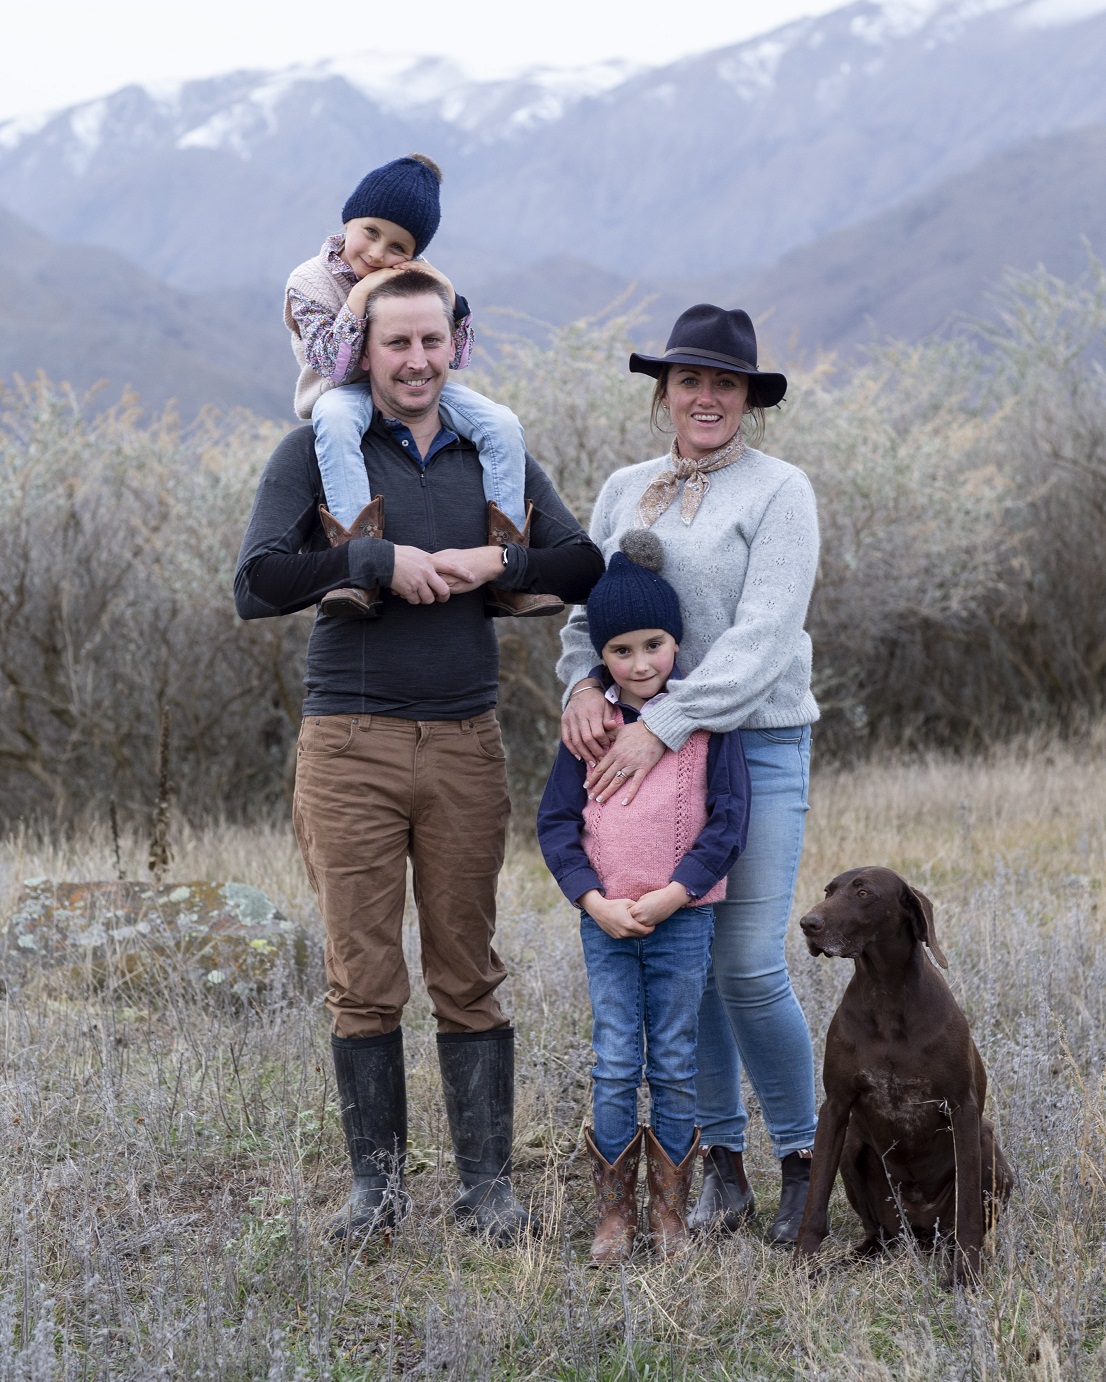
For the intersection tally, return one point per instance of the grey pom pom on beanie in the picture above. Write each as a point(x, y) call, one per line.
point(631, 594)
point(404, 191)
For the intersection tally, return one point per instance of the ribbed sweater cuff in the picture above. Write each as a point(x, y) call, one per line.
point(669, 723)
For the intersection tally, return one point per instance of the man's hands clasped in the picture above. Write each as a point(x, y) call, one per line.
point(426, 578)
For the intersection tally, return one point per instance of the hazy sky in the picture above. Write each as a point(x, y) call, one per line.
point(72, 50)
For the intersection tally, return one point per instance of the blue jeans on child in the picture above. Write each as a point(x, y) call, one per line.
point(341, 418)
point(645, 993)
point(750, 1015)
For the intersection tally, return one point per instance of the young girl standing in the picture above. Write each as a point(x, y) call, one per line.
point(644, 877)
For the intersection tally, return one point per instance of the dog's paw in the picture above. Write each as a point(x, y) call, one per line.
point(965, 1273)
point(807, 1257)
point(813, 1268)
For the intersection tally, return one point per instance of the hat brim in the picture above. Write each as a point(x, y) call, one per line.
point(765, 388)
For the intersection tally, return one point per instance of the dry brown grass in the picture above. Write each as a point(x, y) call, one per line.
point(168, 1162)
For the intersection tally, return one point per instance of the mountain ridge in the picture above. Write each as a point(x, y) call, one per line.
point(868, 172)
point(761, 147)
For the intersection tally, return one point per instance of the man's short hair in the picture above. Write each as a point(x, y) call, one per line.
point(410, 284)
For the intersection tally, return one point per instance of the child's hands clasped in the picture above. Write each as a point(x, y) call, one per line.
point(424, 266)
point(358, 294)
point(621, 918)
point(614, 915)
point(652, 908)
point(360, 291)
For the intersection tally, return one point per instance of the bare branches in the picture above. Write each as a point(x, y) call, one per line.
point(962, 596)
point(117, 543)
point(161, 854)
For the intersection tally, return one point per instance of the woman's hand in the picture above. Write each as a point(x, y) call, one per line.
point(588, 724)
point(635, 753)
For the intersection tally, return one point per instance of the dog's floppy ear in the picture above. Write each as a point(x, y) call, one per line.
point(922, 910)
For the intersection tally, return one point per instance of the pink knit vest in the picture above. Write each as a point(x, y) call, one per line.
point(635, 849)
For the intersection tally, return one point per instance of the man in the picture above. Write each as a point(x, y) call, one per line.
point(400, 754)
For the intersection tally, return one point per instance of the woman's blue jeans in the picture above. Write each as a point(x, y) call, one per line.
point(341, 418)
point(749, 1015)
point(645, 994)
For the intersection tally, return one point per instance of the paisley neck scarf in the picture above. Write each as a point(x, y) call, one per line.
point(694, 475)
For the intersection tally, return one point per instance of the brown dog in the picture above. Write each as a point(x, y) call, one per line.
point(904, 1083)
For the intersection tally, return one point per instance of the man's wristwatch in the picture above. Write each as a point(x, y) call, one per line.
point(503, 549)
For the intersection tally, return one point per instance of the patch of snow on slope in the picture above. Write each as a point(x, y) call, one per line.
point(435, 85)
point(887, 20)
point(751, 71)
point(1048, 14)
point(236, 126)
point(20, 127)
point(227, 129)
point(166, 95)
point(396, 81)
point(86, 123)
point(407, 85)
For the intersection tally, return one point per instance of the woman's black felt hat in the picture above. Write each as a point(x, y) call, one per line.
point(716, 338)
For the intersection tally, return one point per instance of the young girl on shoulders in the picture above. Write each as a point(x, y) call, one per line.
point(388, 220)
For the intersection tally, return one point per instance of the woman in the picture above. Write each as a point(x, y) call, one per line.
point(741, 540)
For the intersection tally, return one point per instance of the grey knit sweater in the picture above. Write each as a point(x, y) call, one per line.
point(744, 570)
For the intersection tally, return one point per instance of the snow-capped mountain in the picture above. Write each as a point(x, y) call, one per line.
point(727, 159)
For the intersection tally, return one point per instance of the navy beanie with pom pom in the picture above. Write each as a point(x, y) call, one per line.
point(631, 595)
point(404, 191)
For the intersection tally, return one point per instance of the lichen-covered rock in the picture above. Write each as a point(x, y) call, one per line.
point(215, 934)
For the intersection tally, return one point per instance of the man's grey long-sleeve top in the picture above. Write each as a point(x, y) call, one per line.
point(420, 662)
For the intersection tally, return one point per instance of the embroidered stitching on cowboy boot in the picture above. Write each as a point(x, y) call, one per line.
point(515, 602)
point(616, 1196)
point(350, 601)
point(669, 1186)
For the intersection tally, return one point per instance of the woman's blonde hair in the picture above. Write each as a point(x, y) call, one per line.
point(753, 431)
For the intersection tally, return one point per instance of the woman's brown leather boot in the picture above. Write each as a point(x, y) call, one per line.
point(516, 602)
point(351, 602)
point(669, 1186)
point(616, 1194)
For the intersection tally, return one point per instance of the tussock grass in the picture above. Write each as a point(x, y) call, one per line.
point(168, 1163)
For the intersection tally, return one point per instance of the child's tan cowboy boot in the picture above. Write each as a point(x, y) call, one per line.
point(501, 531)
point(669, 1186)
point(351, 602)
point(616, 1194)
